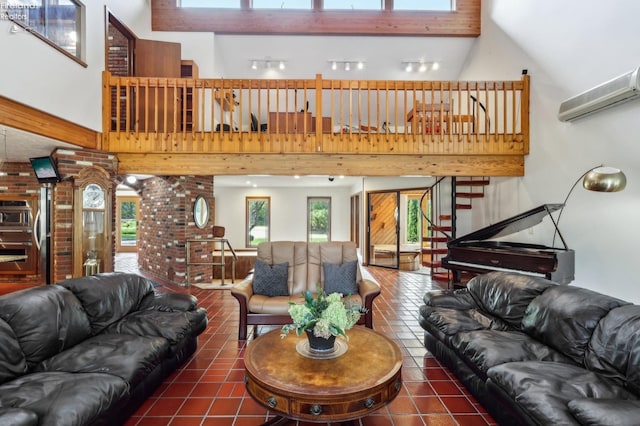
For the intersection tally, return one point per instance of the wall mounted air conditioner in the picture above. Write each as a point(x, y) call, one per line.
point(613, 92)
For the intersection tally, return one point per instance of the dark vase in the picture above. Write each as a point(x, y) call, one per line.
point(320, 344)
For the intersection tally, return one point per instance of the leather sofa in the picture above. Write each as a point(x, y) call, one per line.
point(305, 262)
point(537, 353)
point(89, 351)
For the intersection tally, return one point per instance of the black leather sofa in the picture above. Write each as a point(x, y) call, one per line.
point(89, 351)
point(536, 353)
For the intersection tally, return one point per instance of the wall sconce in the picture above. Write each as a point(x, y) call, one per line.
point(420, 66)
point(267, 63)
point(598, 179)
point(347, 65)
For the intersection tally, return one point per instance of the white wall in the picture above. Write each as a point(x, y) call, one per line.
point(288, 212)
point(570, 46)
point(37, 75)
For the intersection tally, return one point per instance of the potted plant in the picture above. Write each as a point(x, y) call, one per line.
point(322, 318)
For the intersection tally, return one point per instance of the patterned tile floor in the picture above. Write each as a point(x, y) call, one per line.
point(209, 389)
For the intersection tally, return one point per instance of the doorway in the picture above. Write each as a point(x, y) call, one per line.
point(127, 220)
point(396, 230)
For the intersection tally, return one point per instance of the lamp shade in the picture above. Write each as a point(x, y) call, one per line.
point(604, 179)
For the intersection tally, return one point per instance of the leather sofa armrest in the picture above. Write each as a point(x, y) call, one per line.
point(18, 417)
point(243, 290)
point(168, 302)
point(456, 299)
point(602, 412)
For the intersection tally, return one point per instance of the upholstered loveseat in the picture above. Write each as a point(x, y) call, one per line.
point(302, 266)
point(89, 351)
point(537, 353)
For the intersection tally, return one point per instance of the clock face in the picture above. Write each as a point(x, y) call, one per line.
point(93, 197)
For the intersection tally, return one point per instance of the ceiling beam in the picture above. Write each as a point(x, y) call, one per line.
point(321, 164)
point(28, 119)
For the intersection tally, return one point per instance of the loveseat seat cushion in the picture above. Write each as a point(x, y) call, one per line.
point(109, 296)
point(173, 326)
point(127, 356)
point(13, 363)
point(605, 412)
point(483, 349)
point(46, 320)
point(614, 348)
point(564, 317)
point(543, 389)
point(506, 295)
point(63, 398)
point(279, 305)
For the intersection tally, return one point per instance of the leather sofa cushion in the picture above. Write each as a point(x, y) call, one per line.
point(614, 348)
point(108, 297)
point(292, 252)
point(543, 389)
point(63, 398)
point(564, 317)
point(279, 305)
point(173, 326)
point(506, 295)
point(13, 363)
point(337, 252)
point(60, 322)
point(18, 417)
point(129, 357)
point(483, 349)
point(452, 321)
point(605, 412)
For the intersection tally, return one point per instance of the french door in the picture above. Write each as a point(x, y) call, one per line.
point(127, 221)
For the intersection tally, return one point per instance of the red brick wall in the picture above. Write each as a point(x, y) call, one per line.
point(17, 179)
point(166, 223)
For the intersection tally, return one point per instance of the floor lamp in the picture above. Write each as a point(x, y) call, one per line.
point(598, 179)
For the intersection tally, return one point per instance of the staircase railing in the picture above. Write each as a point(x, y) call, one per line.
point(437, 231)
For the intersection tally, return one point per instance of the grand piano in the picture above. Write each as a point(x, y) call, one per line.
point(480, 252)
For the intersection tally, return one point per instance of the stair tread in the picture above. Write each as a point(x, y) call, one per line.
point(469, 194)
point(472, 182)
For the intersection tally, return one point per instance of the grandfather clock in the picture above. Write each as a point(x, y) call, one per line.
point(92, 225)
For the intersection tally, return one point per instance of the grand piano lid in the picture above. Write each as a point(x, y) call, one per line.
point(512, 225)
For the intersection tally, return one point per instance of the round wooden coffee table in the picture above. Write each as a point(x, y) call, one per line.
point(362, 380)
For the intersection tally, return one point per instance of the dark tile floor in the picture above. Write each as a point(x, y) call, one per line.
point(209, 389)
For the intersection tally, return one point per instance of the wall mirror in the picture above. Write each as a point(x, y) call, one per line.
point(201, 212)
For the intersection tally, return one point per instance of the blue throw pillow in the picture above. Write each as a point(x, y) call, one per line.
point(340, 278)
point(270, 280)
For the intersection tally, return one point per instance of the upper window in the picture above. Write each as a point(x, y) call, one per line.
point(353, 4)
point(224, 4)
point(59, 22)
point(282, 4)
point(424, 5)
point(420, 5)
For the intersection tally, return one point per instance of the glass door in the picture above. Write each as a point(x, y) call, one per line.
point(383, 229)
point(127, 220)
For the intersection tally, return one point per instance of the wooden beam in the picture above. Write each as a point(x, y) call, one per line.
point(23, 117)
point(322, 164)
point(463, 22)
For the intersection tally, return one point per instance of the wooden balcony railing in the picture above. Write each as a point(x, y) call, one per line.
point(179, 115)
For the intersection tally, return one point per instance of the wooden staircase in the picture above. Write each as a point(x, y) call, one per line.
point(441, 227)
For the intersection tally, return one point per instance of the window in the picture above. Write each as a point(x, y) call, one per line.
point(258, 219)
point(318, 219)
point(58, 22)
point(353, 4)
point(223, 4)
point(282, 4)
point(424, 5)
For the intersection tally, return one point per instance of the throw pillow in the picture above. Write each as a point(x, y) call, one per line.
point(340, 278)
point(270, 280)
